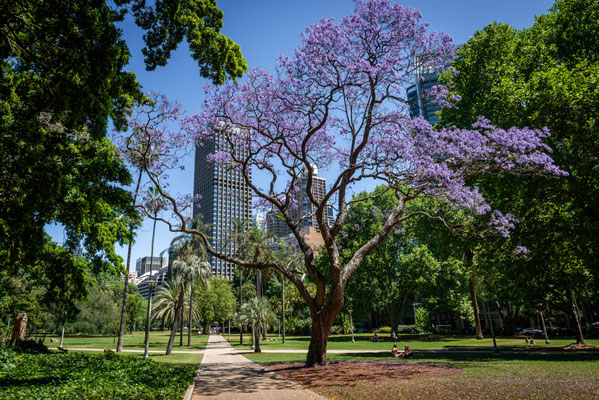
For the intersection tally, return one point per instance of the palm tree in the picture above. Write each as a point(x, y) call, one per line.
point(169, 301)
point(193, 270)
point(258, 314)
point(184, 246)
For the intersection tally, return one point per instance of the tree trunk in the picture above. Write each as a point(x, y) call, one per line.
point(150, 290)
point(477, 325)
point(257, 329)
point(19, 328)
point(182, 310)
point(171, 339)
point(283, 301)
point(190, 305)
point(240, 302)
point(577, 327)
point(317, 352)
point(119, 346)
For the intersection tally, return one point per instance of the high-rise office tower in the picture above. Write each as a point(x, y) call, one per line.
point(421, 103)
point(144, 264)
point(305, 212)
point(225, 197)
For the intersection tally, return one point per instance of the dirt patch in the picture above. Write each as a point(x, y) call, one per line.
point(587, 347)
point(351, 373)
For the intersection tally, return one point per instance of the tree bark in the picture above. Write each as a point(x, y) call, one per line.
point(257, 329)
point(190, 305)
point(577, 326)
point(283, 301)
point(477, 325)
point(150, 290)
point(240, 303)
point(317, 352)
point(119, 346)
point(171, 339)
point(19, 328)
point(181, 324)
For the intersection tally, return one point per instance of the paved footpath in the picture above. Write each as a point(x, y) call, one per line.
point(226, 375)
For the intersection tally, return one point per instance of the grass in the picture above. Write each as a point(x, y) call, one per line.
point(158, 341)
point(343, 342)
point(526, 375)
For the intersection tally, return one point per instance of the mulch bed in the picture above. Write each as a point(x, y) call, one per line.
point(351, 372)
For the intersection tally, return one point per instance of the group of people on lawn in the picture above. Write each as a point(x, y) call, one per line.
point(394, 351)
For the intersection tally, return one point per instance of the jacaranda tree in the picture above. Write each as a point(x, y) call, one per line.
point(339, 103)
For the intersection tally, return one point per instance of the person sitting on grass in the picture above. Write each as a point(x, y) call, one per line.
point(375, 337)
point(526, 340)
point(531, 340)
point(406, 351)
point(394, 351)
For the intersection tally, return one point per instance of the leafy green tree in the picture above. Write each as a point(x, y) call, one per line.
point(217, 301)
point(544, 76)
point(62, 79)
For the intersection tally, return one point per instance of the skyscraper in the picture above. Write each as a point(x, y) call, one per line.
point(421, 102)
point(305, 212)
point(224, 197)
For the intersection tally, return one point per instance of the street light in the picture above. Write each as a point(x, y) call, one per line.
point(351, 322)
point(229, 334)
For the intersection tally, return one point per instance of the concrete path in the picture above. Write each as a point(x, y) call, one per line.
point(226, 375)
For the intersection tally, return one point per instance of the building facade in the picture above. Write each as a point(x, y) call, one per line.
point(305, 212)
point(224, 198)
point(421, 103)
point(144, 264)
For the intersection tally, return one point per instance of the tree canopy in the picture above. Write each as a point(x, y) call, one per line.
point(62, 80)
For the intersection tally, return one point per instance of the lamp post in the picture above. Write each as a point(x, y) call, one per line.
point(351, 322)
point(229, 334)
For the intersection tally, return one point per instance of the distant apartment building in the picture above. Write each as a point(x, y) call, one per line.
point(144, 264)
point(225, 197)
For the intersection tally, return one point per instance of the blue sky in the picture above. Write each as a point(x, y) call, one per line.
point(266, 29)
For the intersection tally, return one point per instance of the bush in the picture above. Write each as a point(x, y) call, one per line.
point(422, 319)
point(89, 376)
point(407, 329)
point(298, 326)
point(384, 329)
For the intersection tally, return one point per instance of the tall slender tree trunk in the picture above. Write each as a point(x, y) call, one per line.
point(240, 303)
point(62, 331)
point(150, 290)
point(473, 299)
point(171, 339)
point(190, 305)
point(119, 346)
point(283, 302)
point(181, 324)
point(577, 326)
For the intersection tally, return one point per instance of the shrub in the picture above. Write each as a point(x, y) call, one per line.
point(90, 376)
point(407, 329)
point(384, 329)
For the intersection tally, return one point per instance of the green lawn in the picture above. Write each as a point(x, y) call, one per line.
point(363, 342)
point(158, 341)
point(527, 375)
